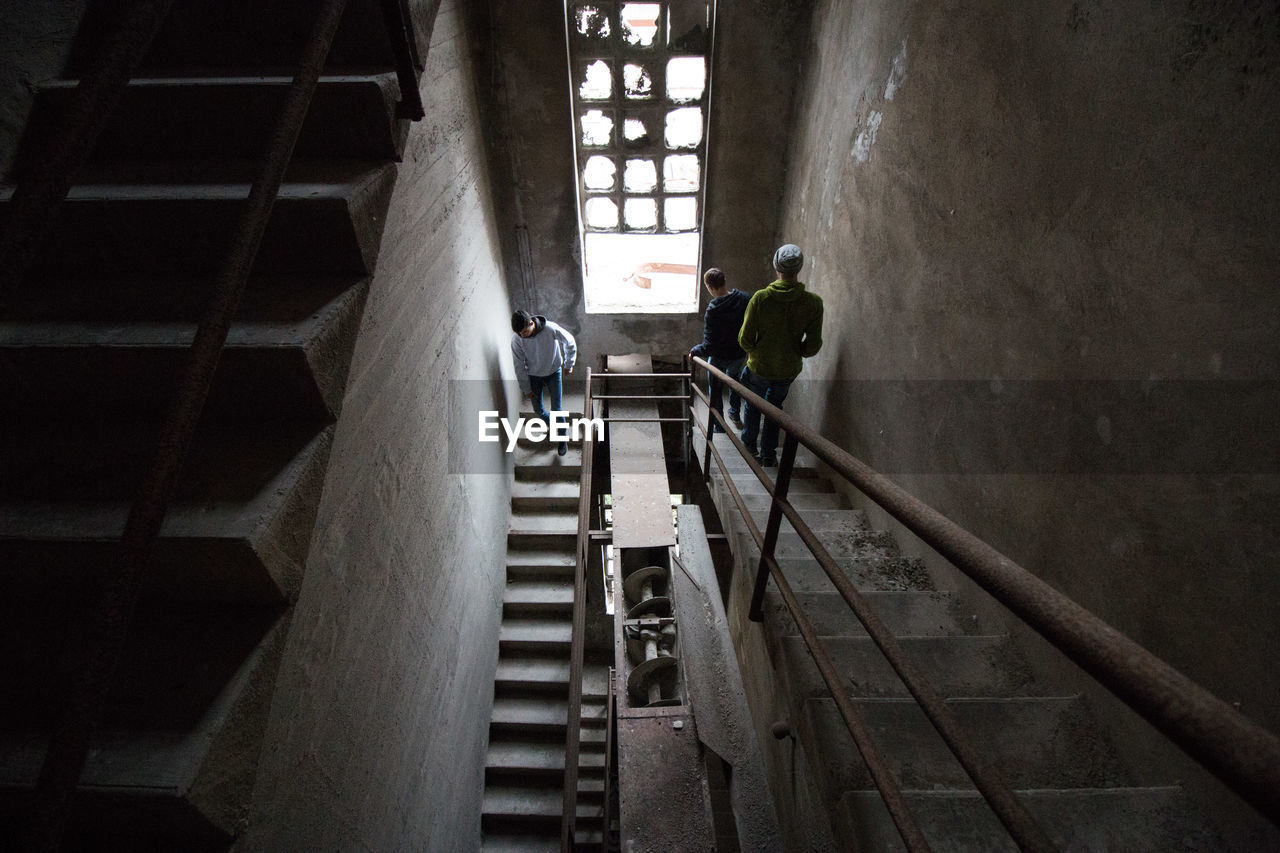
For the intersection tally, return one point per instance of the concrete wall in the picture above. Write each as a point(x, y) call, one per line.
point(376, 739)
point(1045, 234)
point(759, 53)
point(521, 51)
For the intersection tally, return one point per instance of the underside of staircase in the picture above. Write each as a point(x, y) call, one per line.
point(524, 768)
point(91, 348)
point(1046, 742)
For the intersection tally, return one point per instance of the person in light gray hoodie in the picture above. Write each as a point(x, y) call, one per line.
point(540, 350)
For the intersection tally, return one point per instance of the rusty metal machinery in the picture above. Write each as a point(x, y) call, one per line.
point(649, 632)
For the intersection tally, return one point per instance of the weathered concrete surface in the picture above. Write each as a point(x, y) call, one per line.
point(34, 44)
point(715, 686)
point(376, 738)
point(528, 123)
point(1076, 192)
point(759, 54)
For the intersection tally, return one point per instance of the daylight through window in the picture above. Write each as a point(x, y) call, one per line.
point(640, 75)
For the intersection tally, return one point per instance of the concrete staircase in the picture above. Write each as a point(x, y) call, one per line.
point(1047, 744)
point(524, 772)
point(90, 350)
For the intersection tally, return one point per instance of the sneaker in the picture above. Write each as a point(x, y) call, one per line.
point(563, 448)
point(735, 420)
point(767, 461)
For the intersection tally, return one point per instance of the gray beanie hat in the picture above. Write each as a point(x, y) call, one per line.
point(788, 259)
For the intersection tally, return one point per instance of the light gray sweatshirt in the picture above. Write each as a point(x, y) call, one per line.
point(542, 353)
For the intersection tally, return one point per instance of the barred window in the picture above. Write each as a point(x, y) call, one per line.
point(640, 81)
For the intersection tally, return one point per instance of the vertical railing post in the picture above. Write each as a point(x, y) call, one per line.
point(405, 49)
point(711, 422)
point(783, 482)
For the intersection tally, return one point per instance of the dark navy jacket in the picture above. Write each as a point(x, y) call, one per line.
point(720, 326)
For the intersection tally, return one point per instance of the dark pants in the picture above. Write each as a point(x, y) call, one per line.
point(733, 367)
point(553, 385)
point(774, 391)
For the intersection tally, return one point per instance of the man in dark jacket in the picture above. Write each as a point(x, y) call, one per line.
point(720, 326)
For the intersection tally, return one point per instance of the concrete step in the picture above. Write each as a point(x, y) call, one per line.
point(546, 520)
point(526, 674)
point(533, 566)
point(273, 367)
point(211, 37)
point(805, 575)
point(535, 495)
point(541, 715)
point(1034, 742)
point(976, 666)
point(805, 464)
point(521, 841)
point(328, 219)
point(539, 636)
point(820, 521)
point(174, 755)
point(1136, 820)
point(546, 466)
point(538, 803)
point(217, 117)
point(521, 543)
point(542, 760)
point(545, 454)
point(749, 485)
point(537, 598)
point(232, 534)
point(871, 561)
point(907, 613)
point(758, 503)
point(151, 300)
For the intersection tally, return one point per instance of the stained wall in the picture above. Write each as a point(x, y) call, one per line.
point(377, 734)
point(1045, 234)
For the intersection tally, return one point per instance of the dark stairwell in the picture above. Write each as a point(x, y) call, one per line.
point(1052, 192)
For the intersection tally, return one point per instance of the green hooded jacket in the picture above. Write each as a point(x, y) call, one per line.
point(783, 325)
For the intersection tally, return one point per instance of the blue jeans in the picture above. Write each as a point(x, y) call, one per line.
point(553, 385)
point(733, 367)
point(774, 391)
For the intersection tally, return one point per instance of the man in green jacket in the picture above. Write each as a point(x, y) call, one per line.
point(783, 325)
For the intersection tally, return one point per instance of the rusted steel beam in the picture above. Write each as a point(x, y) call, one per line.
point(65, 758)
point(1238, 751)
point(774, 524)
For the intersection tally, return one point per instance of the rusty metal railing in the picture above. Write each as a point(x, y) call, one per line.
point(1241, 753)
point(573, 721)
point(35, 203)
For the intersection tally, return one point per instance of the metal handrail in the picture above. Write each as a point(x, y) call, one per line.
point(1241, 753)
point(573, 720)
point(68, 747)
